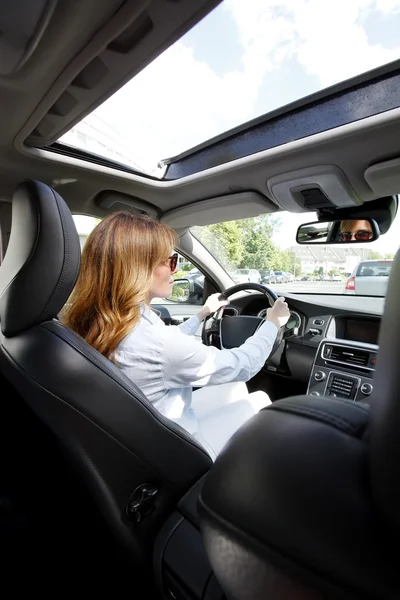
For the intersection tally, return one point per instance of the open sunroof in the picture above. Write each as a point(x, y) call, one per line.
point(241, 61)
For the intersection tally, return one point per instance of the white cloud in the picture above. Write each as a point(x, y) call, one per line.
point(324, 37)
point(388, 6)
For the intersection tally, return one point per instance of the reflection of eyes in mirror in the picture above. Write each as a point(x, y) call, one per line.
point(359, 231)
point(346, 231)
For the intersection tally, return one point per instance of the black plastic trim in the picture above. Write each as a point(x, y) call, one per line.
point(96, 159)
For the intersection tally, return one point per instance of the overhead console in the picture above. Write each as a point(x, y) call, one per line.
point(343, 369)
point(313, 189)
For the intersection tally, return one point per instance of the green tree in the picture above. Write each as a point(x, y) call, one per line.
point(224, 241)
point(289, 262)
point(259, 251)
point(246, 243)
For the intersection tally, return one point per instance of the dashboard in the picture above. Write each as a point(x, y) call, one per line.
point(330, 346)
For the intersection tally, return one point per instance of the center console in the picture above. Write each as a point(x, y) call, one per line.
point(343, 369)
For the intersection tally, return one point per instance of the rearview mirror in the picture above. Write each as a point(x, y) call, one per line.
point(345, 231)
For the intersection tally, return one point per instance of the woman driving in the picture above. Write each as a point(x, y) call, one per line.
point(127, 261)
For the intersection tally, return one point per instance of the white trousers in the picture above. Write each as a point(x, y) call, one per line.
point(221, 410)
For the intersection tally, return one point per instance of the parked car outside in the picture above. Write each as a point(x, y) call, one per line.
point(281, 277)
point(369, 278)
point(267, 276)
point(245, 275)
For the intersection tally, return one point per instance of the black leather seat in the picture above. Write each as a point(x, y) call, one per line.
point(109, 431)
point(304, 502)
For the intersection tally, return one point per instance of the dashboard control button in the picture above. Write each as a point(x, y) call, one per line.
point(366, 389)
point(319, 376)
point(314, 394)
point(318, 322)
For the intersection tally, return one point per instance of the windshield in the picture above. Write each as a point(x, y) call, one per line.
point(241, 61)
point(266, 243)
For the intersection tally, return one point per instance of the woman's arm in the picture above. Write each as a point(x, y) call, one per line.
point(187, 363)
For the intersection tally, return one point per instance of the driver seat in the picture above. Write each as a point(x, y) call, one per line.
point(136, 463)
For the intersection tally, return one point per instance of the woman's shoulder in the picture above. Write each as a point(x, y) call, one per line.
point(150, 328)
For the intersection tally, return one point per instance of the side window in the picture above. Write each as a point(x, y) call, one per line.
point(189, 286)
point(84, 226)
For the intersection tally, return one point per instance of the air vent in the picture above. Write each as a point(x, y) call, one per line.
point(346, 355)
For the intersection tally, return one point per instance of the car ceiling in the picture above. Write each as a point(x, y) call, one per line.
point(40, 101)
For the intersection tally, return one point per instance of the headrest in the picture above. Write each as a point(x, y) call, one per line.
point(42, 259)
point(291, 491)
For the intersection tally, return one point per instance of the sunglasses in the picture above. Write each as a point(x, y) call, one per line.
point(173, 261)
point(360, 236)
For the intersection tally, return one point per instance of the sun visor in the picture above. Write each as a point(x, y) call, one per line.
point(384, 178)
point(312, 189)
point(216, 210)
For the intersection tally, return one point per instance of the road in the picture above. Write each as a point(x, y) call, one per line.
point(310, 287)
point(319, 293)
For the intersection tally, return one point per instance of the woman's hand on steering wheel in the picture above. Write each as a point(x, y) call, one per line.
point(279, 313)
point(213, 303)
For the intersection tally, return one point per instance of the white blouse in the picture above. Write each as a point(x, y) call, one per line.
point(166, 362)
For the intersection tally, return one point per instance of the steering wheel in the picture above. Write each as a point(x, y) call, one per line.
point(233, 331)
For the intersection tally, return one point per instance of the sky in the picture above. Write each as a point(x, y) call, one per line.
point(243, 60)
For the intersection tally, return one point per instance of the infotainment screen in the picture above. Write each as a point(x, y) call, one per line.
point(362, 331)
